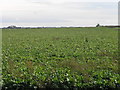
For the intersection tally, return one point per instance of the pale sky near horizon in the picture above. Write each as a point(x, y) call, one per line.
point(58, 12)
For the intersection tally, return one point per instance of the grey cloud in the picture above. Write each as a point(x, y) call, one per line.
point(30, 20)
point(91, 5)
point(67, 13)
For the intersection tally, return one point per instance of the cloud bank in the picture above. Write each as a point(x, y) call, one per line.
point(58, 12)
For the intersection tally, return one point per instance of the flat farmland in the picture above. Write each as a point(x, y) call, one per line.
point(60, 58)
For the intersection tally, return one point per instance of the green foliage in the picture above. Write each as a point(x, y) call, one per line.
point(97, 25)
point(60, 58)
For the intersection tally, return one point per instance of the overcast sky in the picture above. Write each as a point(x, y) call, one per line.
point(58, 12)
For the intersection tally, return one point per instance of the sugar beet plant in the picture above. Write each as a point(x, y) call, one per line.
point(60, 58)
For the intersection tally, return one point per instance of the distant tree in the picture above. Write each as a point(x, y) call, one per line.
point(11, 27)
point(98, 25)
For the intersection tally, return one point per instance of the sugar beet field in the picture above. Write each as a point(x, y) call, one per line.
point(79, 58)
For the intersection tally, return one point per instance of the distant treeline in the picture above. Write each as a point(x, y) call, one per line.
point(111, 26)
point(15, 27)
